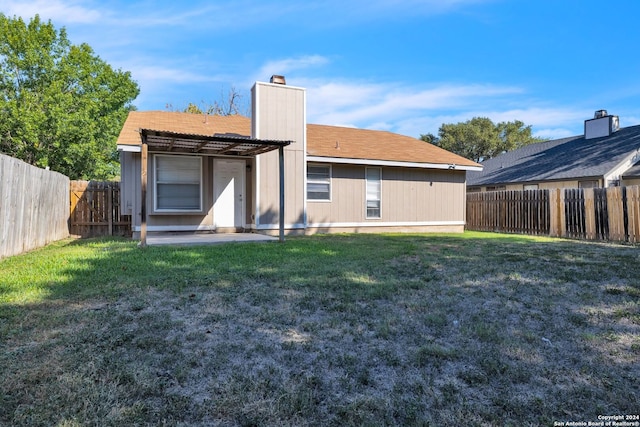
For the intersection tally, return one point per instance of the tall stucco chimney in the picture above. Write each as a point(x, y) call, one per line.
point(278, 112)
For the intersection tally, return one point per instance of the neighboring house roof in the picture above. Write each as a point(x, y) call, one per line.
point(332, 142)
point(560, 159)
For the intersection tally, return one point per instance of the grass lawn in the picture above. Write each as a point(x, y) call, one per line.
point(471, 329)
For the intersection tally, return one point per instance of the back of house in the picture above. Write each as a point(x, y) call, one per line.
point(236, 174)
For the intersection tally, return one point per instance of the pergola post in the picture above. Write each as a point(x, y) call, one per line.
point(281, 167)
point(143, 195)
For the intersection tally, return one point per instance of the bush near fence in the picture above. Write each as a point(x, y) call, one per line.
point(34, 206)
point(591, 213)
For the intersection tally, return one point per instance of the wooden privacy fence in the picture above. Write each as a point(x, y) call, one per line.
point(95, 210)
point(592, 213)
point(524, 212)
point(33, 206)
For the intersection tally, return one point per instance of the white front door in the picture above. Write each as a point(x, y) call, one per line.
point(228, 193)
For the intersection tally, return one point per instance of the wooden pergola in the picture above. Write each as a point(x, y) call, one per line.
point(211, 145)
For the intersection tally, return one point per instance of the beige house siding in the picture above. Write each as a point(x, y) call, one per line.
point(129, 185)
point(268, 199)
point(279, 114)
point(191, 221)
point(411, 198)
point(347, 197)
point(423, 195)
point(630, 181)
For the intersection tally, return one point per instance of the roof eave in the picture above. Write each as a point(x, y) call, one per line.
point(535, 181)
point(128, 148)
point(623, 166)
point(375, 162)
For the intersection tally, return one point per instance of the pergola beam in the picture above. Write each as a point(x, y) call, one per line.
point(200, 146)
point(229, 148)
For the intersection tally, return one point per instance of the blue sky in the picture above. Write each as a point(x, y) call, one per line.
point(404, 66)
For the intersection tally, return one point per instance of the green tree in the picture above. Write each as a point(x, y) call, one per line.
point(480, 139)
point(61, 106)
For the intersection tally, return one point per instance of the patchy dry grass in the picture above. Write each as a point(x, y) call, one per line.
point(473, 329)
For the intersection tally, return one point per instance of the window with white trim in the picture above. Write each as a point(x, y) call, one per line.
point(318, 182)
point(374, 187)
point(177, 183)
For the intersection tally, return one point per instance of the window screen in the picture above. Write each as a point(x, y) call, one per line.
point(374, 185)
point(178, 184)
point(318, 182)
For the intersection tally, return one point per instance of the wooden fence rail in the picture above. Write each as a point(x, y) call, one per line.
point(95, 210)
point(592, 214)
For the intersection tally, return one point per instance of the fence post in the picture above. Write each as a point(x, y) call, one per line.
point(555, 217)
point(625, 212)
point(589, 214)
point(615, 212)
point(633, 204)
point(110, 208)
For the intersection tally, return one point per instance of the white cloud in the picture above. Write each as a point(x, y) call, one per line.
point(415, 110)
point(222, 15)
point(343, 103)
point(55, 10)
point(555, 133)
point(160, 74)
point(425, 7)
point(629, 121)
point(287, 65)
point(538, 116)
point(549, 123)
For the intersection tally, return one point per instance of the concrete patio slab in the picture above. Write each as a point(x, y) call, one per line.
point(191, 239)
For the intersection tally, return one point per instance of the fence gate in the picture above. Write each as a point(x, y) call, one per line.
point(95, 210)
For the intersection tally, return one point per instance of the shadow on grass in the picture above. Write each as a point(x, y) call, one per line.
point(332, 329)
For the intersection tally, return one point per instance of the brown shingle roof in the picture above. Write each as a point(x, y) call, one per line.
point(364, 144)
point(186, 123)
point(322, 140)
